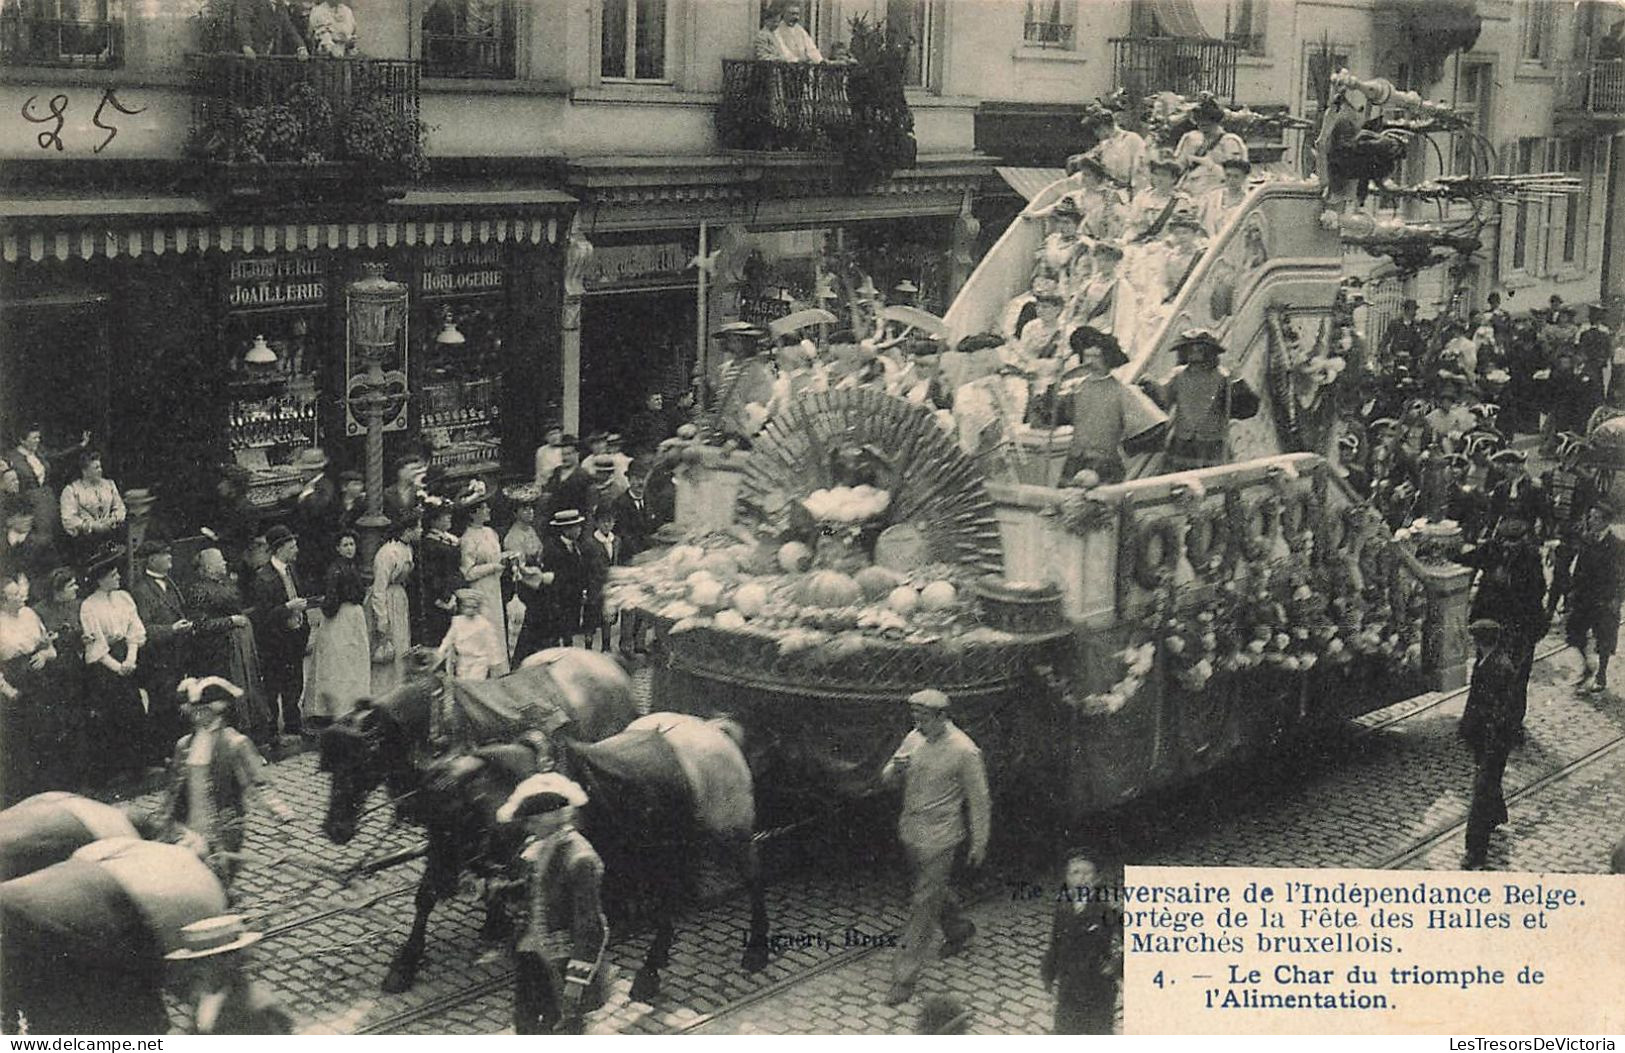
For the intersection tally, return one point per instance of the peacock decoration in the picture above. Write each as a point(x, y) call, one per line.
point(866, 461)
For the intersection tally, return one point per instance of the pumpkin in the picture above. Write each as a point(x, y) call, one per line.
point(705, 593)
point(750, 598)
point(685, 556)
point(831, 588)
point(903, 599)
point(938, 596)
point(794, 557)
point(877, 582)
point(697, 577)
point(730, 619)
point(720, 563)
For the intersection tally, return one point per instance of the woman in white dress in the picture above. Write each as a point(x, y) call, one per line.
point(340, 661)
point(472, 650)
point(388, 605)
point(483, 563)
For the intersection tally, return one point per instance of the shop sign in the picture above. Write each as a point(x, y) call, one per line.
point(450, 269)
point(631, 266)
point(277, 281)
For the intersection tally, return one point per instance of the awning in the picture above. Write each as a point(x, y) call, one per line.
point(1029, 181)
point(86, 227)
point(1180, 18)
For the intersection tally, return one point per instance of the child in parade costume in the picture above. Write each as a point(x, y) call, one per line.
point(471, 649)
point(1084, 961)
point(214, 775)
point(1107, 302)
point(1108, 417)
point(562, 934)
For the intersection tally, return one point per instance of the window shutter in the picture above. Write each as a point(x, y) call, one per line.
point(1509, 213)
point(1596, 196)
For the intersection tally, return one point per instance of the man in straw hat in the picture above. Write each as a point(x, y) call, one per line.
point(214, 775)
point(226, 1000)
point(562, 933)
point(1487, 726)
point(1203, 398)
point(1108, 417)
point(943, 778)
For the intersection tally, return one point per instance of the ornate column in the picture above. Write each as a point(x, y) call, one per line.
point(577, 254)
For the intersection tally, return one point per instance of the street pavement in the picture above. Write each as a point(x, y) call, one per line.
point(1375, 794)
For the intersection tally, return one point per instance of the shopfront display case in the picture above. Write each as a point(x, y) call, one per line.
point(459, 399)
point(274, 381)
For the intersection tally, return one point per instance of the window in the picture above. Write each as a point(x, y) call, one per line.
point(1048, 24)
point(62, 33)
point(1527, 219)
point(469, 38)
point(1244, 24)
point(1573, 210)
point(1473, 88)
point(912, 20)
point(634, 40)
point(1537, 29)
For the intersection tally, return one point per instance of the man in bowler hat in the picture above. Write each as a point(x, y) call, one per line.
point(168, 653)
point(278, 602)
point(1487, 725)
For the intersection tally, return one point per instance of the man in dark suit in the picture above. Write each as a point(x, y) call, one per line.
point(352, 500)
point(262, 27)
point(1511, 590)
point(572, 485)
point(315, 514)
point(1487, 727)
point(277, 607)
point(563, 555)
point(635, 526)
point(166, 657)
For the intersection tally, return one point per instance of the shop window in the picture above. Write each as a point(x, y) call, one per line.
point(1049, 24)
point(1244, 25)
point(459, 319)
point(915, 22)
point(633, 40)
point(88, 33)
point(469, 38)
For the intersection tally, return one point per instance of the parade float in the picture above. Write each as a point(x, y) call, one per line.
point(1099, 643)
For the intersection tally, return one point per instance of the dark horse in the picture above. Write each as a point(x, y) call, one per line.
point(665, 783)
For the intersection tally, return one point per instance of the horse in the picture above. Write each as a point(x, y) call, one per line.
point(48, 827)
point(85, 937)
point(667, 784)
point(560, 692)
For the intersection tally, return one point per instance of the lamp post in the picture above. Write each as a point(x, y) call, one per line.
point(376, 311)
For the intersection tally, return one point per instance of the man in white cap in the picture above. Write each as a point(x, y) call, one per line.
point(562, 934)
point(943, 778)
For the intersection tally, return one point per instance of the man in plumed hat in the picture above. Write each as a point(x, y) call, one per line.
point(1108, 417)
point(562, 933)
point(168, 654)
point(1203, 399)
point(1487, 726)
point(277, 602)
point(1514, 494)
point(1571, 490)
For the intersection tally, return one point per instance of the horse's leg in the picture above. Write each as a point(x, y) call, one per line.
point(403, 971)
point(748, 863)
point(646, 985)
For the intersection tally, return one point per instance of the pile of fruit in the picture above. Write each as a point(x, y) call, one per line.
point(774, 593)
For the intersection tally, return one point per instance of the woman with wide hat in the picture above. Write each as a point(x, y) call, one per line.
point(114, 636)
point(483, 562)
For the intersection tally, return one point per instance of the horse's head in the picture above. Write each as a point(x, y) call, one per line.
point(353, 754)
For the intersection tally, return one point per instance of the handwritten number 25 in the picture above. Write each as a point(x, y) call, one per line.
point(58, 109)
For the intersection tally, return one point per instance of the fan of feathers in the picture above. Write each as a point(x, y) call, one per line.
point(864, 436)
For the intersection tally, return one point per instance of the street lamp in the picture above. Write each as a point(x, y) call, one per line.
point(376, 311)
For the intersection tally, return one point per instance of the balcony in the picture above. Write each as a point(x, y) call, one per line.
point(783, 106)
point(281, 126)
point(1592, 90)
point(1184, 65)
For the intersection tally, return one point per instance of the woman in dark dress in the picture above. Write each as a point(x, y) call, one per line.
point(1084, 963)
point(224, 644)
point(440, 572)
point(114, 636)
point(26, 692)
point(59, 612)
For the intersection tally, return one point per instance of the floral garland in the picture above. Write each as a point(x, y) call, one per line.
point(1082, 512)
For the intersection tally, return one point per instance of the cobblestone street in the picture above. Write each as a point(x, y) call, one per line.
point(1389, 791)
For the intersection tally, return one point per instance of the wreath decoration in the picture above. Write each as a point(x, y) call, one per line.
point(1156, 551)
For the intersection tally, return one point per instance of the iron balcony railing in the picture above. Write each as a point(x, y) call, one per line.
point(1595, 88)
point(281, 111)
point(1185, 65)
point(59, 42)
point(1048, 35)
point(798, 106)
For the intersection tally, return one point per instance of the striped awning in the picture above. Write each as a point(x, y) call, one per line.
point(1029, 181)
point(89, 227)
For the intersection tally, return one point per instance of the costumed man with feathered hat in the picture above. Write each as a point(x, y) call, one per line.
point(1571, 491)
point(1203, 398)
point(562, 933)
point(214, 775)
point(1108, 417)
